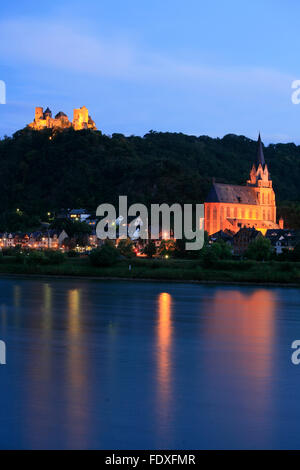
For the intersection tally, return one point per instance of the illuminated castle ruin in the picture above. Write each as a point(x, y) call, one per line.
point(231, 207)
point(43, 119)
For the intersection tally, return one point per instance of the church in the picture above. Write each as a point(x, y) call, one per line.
point(232, 207)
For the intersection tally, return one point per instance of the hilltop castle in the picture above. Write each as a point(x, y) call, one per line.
point(43, 119)
point(231, 207)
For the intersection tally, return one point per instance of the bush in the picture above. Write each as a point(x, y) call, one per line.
point(231, 265)
point(54, 257)
point(72, 254)
point(221, 249)
point(126, 247)
point(286, 266)
point(295, 254)
point(11, 251)
point(209, 258)
point(259, 250)
point(37, 257)
point(107, 255)
point(150, 249)
point(34, 257)
point(155, 264)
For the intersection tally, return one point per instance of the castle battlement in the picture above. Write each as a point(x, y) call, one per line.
point(43, 119)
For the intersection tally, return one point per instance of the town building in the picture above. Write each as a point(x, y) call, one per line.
point(226, 237)
point(80, 215)
point(243, 238)
point(49, 239)
point(283, 239)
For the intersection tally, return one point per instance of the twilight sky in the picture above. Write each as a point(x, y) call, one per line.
point(190, 66)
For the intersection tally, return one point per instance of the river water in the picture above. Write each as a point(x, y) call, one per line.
point(142, 365)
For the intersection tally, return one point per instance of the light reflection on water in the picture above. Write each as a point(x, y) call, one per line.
point(164, 357)
point(76, 373)
point(147, 365)
point(241, 329)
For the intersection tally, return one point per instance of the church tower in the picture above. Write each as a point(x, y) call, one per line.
point(232, 207)
point(261, 182)
point(259, 175)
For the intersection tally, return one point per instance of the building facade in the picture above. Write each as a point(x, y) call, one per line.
point(232, 207)
point(43, 119)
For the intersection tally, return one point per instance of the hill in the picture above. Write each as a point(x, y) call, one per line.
point(41, 171)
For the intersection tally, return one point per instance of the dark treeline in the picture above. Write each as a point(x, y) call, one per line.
point(41, 172)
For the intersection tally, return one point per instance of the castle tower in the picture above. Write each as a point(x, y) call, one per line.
point(80, 118)
point(39, 113)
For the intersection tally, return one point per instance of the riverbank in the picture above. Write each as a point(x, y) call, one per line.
point(124, 279)
point(227, 272)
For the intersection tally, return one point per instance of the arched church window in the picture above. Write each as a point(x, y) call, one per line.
point(215, 219)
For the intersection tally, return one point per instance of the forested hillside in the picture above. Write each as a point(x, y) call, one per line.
point(41, 172)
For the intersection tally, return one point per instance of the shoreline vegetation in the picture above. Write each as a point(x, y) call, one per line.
point(271, 272)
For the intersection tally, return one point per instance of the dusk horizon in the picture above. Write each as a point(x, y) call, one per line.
point(162, 67)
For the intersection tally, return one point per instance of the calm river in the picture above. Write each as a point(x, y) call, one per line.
point(134, 365)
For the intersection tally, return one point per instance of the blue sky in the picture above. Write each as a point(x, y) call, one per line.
point(188, 66)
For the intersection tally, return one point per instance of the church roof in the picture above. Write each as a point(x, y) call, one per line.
point(232, 194)
point(260, 153)
point(247, 232)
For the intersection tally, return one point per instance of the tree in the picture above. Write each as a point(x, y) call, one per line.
point(166, 248)
point(259, 250)
point(209, 257)
point(78, 231)
point(126, 248)
point(180, 250)
point(295, 254)
point(105, 256)
point(150, 249)
point(69, 243)
point(221, 249)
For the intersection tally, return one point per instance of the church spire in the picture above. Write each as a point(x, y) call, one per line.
point(260, 154)
point(259, 175)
